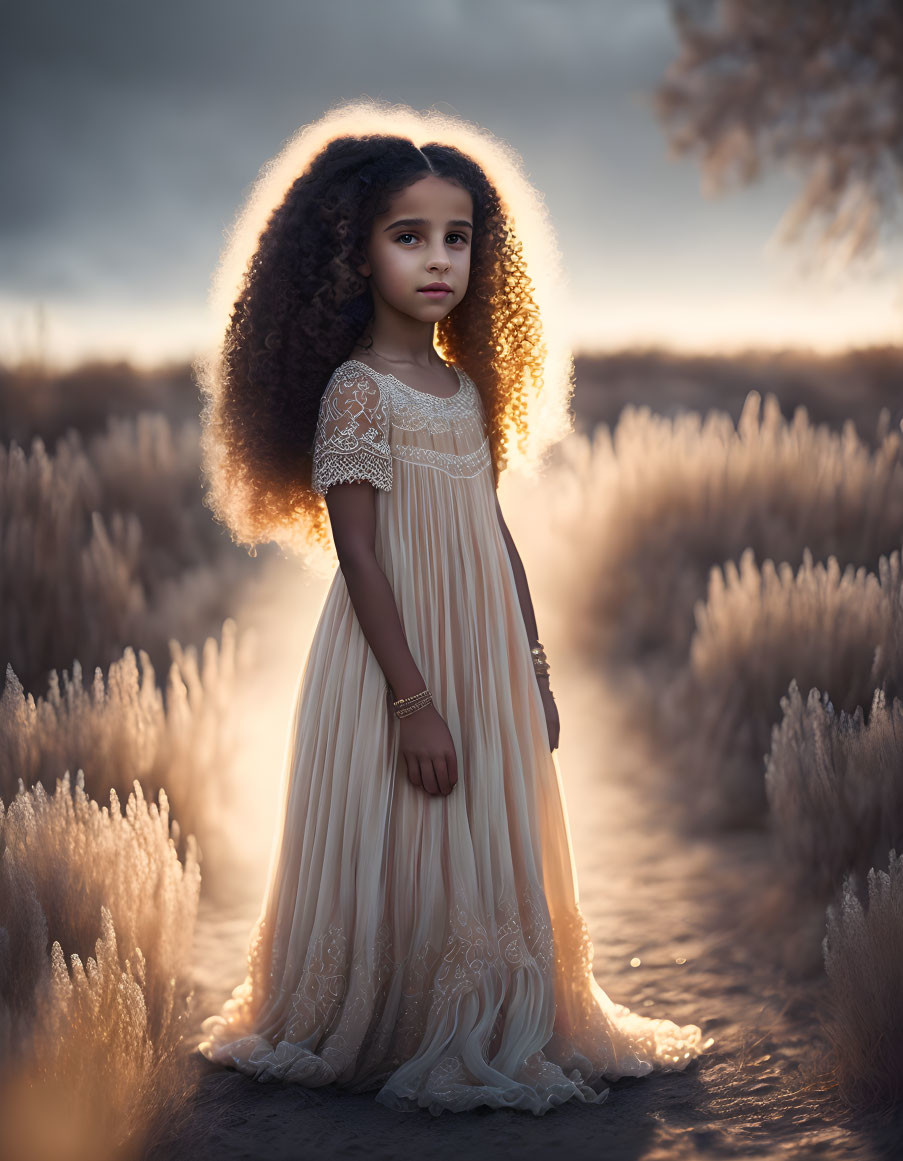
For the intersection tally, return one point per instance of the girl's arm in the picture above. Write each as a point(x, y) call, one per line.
point(523, 592)
point(352, 514)
point(523, 589)
point(425, 741)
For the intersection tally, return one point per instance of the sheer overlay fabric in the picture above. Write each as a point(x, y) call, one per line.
point(428, 948)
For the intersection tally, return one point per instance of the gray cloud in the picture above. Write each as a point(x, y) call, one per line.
point(132, 131)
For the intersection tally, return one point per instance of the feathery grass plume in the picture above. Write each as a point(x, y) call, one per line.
point(863, 950)
point(124, 729)
point(760, 628)
point(90, 1051)
point(667, 499)
point(834, 788)
point(149, 468)
point(108, 548)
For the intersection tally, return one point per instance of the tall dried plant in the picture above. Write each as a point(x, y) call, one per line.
point(90, 1049)
point(834, 786)
point(760, 628)
point(659, 502)
point(124, 729)
point(863, 950)
point(108, 547)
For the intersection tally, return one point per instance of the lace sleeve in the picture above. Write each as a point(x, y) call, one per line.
point(352, 434)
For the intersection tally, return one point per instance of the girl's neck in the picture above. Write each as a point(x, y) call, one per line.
point(411, 347)
point(429, 359)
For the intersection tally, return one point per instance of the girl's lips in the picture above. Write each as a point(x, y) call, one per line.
point(434, 293)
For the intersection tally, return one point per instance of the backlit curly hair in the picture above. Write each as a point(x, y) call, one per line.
point(295, 304)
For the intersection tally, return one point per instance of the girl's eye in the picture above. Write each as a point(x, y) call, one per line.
point(460, 237)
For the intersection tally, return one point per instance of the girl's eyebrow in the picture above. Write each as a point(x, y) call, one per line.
point(426, 222)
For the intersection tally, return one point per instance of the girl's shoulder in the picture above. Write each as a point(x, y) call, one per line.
point(354, 373)
point(354, 388)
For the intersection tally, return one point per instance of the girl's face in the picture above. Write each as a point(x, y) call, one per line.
point(424, 238)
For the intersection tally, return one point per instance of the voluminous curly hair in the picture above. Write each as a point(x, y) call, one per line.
point(294, 304)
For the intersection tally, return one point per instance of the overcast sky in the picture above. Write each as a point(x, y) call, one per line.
point(130, 133)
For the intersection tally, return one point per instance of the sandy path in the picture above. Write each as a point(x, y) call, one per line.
point(646, 893)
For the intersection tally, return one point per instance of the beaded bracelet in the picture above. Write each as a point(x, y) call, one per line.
point(405, 706)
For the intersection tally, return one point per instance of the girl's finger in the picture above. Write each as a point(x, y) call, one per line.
point(442, 775)
point(413, 771)
point(428, 776)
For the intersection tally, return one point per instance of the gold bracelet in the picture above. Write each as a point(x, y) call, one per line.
point(412, 706)
point(540, 662)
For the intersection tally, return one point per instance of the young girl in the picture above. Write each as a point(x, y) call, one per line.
point(420, 936)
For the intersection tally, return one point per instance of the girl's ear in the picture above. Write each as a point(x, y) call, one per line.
point(364, 269)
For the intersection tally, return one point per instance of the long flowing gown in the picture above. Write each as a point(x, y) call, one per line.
point(429, 948)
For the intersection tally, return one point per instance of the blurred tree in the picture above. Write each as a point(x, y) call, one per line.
point(817, 84)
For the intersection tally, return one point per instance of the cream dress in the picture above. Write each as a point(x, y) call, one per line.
point(428, 948)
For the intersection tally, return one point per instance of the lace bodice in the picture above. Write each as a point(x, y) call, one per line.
point(367, 419)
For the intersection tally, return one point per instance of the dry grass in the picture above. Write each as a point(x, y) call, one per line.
point(90, 1048)
point(834, 789)
point(760, 629)
point(109, 546)
point(124, 729)
point(38, 401)
point(111, 566)
point(835, 389)
point(670, 516)
point(658, 503)
point(863, 950)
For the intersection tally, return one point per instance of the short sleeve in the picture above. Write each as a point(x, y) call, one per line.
point(351, 441)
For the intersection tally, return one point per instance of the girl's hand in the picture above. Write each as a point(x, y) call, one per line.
point(429, 751)
point(548, 704)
